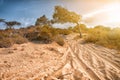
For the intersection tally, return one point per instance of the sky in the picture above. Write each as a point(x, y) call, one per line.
point(94, 12)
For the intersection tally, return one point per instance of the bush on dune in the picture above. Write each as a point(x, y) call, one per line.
point(104, 36)
point(58, 39)
point(63, 31)
point(46, 34)
point(17, 39)
point(7, 38)
point(6, 42)
point(39, 33)
point(78, 28)
point(50, 34)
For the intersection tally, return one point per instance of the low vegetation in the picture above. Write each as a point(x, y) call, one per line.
point(44, 32)
point(8, 38)
point(104, 36)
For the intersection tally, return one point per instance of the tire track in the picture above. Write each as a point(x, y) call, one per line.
point(106, 68)
point(106, 59)
point(86, 69)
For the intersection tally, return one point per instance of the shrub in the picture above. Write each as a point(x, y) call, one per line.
point(81, 27)
point(6, 42)
point(45, 37)
point(104, 36)
point(31, 35)
point(8, 38)
point(19, 39)
point(59, 40)
point(46, 34)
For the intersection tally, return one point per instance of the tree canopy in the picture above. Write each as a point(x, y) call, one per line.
point(2, 20)
point(62, 15)
point(42, 21)
point(11, 24)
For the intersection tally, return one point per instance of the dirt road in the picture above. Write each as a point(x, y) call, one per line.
point(95, 62)
point(74, 61)
point(89, 62)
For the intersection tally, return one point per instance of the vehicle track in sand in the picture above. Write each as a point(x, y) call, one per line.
point(106, 67)
point(90, 62)
point(75, 61)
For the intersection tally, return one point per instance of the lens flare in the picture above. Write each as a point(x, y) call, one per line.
point(112, 12)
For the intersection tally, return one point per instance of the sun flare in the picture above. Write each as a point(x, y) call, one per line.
point(111, 12)
point(114, 12)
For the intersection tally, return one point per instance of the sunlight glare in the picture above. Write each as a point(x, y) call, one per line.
point(112, 11)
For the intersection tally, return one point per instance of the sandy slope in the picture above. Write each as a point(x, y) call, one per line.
point(95, 62)
point(29, 61)
point(74, 61)
point(89, 62)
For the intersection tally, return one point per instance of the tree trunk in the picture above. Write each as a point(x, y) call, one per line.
point(79, 30)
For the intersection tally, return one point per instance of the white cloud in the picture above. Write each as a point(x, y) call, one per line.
point(27, 21)
point(65, 25)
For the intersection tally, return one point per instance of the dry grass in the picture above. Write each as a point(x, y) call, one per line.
point(45, 34)
point(8, 38)
point(104, 36)
point(59, 40)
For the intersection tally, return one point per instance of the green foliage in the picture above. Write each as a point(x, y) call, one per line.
point(46, 34)
point(82, 27)
point(62, 15)
point(63, 31)
point(42, 21)
point(10, 24)
point(2, 20)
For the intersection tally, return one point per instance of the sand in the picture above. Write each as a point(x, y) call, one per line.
point(74, 61)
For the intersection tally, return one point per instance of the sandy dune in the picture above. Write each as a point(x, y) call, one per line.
point(73, 61)
point(89, 62)
point(29, 61)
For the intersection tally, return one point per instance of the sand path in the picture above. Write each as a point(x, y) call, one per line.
point(74, 61)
